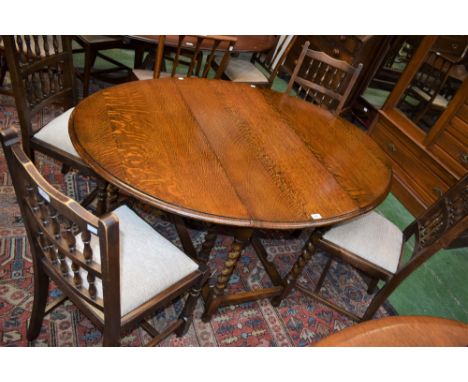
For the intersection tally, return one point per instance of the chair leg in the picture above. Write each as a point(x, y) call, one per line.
point(41, 292)
point(110, 338)
point(372, 285)
point(101, 198)
point(208, 244)
point(112, 197)
point(90, 58)
point(194, 294)
point(65, 169)
point(323, 275)
point(296, 270)
point(382, 295)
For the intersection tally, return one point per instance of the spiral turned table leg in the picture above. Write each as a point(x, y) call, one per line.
point(215, 296)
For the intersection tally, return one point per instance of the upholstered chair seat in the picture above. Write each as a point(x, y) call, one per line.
point(55, 133)
point(144, 74)
point(371, 237)
point(242, 70)
point(439, 101)
point(149, 263)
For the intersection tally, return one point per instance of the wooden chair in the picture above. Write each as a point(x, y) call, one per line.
point(41, 71)
point(189, 52)
point(426, 86)
point(245, 71)
point(92, 46)
point(116, 269)
point(374, 246)
point(322, 79)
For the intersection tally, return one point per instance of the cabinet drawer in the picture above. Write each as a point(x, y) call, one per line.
point(410, 163)
point(455, 154)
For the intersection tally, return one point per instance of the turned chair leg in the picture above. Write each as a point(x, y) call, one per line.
point(41, 292)
point(208, 244)
point(101, 197)
point(194, 294)
point(112, 197)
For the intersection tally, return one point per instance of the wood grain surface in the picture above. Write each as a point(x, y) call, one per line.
point(229, 153)
point(401, 331)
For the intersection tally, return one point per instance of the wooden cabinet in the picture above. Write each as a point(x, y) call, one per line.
point(428, 148)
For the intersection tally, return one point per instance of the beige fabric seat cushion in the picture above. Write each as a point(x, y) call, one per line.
point(55, 133)
point(439, 101)
point(143, 74)
point(239, 70)
point(371, 237)
point(149, 263)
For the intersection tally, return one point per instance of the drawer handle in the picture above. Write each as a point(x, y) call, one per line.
point(392, 147)
point(438, 191)
point(464, 158)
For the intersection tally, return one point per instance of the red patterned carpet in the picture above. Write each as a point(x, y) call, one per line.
point(298, 321)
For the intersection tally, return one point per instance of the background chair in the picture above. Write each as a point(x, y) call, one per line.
point(427, 88)
point(241, 70)
point(189, 53)
point(115, 269)
point(322, 79)
point(92, 46)
point(3, 71)
point(374, 246)
point(42, 75)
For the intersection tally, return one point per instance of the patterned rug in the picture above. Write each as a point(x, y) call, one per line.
point(298, 321)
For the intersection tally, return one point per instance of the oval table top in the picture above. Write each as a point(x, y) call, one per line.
point(229, 153)
point(244, 43)
point(401, 331)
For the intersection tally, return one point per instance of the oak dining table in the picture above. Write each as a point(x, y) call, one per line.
point(232, 156)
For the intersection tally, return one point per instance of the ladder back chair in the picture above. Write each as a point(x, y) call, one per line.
point(189, 52)
point(3, 71)
point(42, 76)
point(427, 85)
point(322, 79)
point(116, 269)
point(375, 246)
point(245, 71)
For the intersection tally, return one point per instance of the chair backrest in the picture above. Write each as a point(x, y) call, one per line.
point(60, 231)
point(441, 223)
point(322, 79)
point(3, 70)
point(42, 74)
point(273, 60)
point(191, 47)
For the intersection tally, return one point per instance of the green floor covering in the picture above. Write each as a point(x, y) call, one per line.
point(438, 288)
